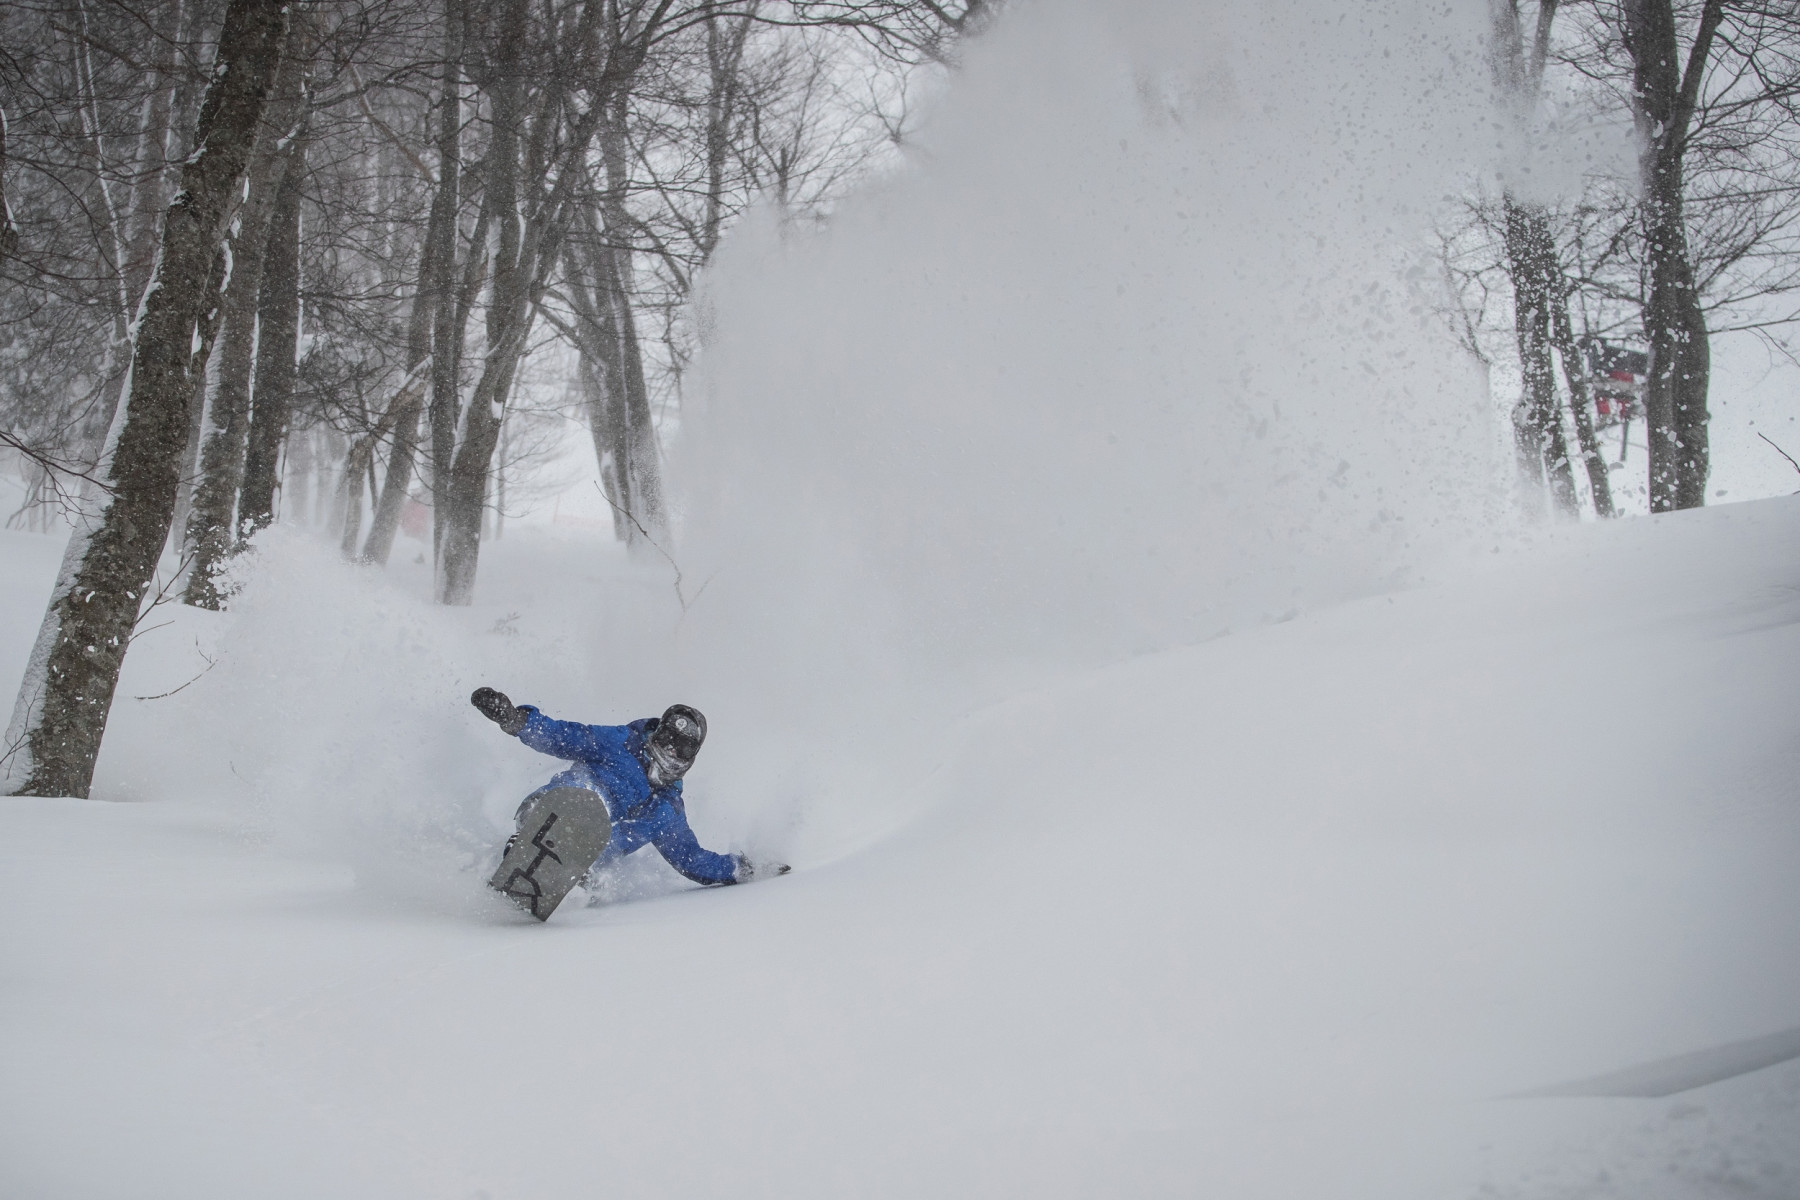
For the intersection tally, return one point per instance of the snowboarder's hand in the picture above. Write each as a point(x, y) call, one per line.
point(748, 870)
point(498, 709)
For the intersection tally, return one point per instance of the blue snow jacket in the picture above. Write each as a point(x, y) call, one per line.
point(605, 760)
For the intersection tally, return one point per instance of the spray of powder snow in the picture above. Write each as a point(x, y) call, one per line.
point(339, 705)
point(1141, 347)
point(1137, 348)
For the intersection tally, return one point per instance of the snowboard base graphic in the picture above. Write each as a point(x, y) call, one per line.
point(561, 833)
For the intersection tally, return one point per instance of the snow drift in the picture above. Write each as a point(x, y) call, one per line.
point(1390, 863)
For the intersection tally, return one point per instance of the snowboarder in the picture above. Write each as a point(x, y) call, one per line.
point(637, 770)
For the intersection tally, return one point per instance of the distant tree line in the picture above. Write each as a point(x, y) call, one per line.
point(249, 244)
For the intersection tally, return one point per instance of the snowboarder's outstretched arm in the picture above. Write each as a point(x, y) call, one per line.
point(559, 739)
point(571, 739)
point(676, 842)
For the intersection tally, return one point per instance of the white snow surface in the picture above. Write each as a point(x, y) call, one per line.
point(1091, 573)
point(1286, 913)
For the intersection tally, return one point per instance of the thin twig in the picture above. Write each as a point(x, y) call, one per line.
point(51, 465)
point(675, 566)
point(411, 155)
point(210, 664)
point(24, 734)
point(161, 598)
point(1796, 465)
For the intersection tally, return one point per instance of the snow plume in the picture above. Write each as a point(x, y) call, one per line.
point(1139, 347)
point(334, 703)
point(330, 706)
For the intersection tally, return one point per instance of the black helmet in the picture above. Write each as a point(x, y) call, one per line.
point(673, 744)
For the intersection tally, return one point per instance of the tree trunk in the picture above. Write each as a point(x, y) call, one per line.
point(451, 307)
point(359, 468)
point(1664, 95)
point(1675, 397)
point(155, 155)
point(1531, 255)
point(74, 668)
point(205, 372)
point(618, 402)
point(636, 456)
point(449, 340)
point(277, 352)
point(403, 415)
point(295, 476)
point(434, 304)
point(529, 222)
point(398, 481)
point(464, 493)
point(601, 365)
point(500, 486)
point(331, 502)
point(359, 462)
point(1599, 482)
point(600, 423)
point(212, 523)
point(725, 40)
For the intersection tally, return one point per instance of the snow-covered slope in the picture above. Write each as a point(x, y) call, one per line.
point(1288, 913)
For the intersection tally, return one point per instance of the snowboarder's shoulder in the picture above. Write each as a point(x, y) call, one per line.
point(618, 734)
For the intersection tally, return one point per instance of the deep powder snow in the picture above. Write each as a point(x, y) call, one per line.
point(1194, 787)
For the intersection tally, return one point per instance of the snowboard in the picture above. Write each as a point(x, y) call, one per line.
point(561, 833)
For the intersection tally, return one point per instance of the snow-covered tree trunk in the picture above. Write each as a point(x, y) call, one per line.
point(212, 522)
point(67, 693)
point(1537, 420)
point(1531, 263)
point(1664, 99)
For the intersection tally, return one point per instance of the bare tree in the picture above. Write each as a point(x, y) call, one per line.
point(1665, 93)
point(212, 524)
point(436, 334)
point(1586, 269)
point(277, 344)
point(89, 140)
point(1714, 118)
point(74, 669)
point(1540, 292)
point(457, 167)
point(541, 132)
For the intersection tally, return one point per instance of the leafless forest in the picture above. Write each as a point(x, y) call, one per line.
point(345, 262)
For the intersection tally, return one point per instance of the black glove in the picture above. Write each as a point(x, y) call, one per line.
point(498, 709)
point(748, 871)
